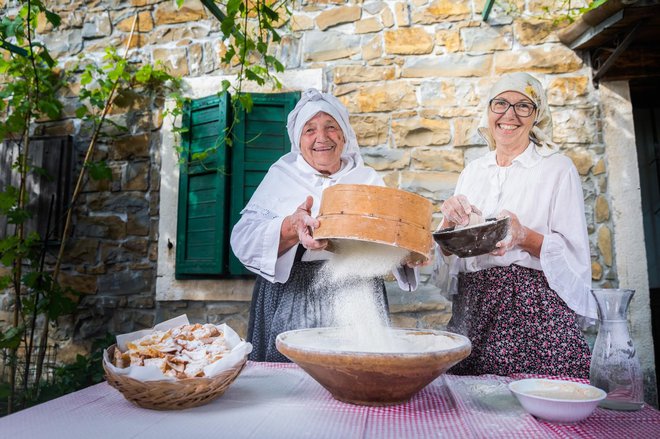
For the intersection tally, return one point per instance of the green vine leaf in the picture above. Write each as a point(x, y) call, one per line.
point(144, 73)
point(18, 216)
point(81, 112)
point(53, 18)
point(8, 199)
point(246, 101)
point(5, 281)
point(99, 170)
point(60, 302)
point(11, 338)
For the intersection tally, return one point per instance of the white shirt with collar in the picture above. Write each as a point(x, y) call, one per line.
point(545, 192)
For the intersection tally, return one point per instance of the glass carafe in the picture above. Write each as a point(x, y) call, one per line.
point(615, 367)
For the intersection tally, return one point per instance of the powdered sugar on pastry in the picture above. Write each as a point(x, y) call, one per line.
point(180, 352)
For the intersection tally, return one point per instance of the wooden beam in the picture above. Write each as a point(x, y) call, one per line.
point(621, 48)
point(593, 32)
point(635, 63)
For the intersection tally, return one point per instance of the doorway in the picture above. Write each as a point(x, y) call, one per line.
point(645, 95)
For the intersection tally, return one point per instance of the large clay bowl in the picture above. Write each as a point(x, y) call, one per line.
point(475, 240)
point(373, 378)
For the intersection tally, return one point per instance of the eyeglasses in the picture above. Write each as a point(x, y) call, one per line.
point(522, 109)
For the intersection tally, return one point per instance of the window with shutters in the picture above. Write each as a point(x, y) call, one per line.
point(48, 184)
point(214, 187)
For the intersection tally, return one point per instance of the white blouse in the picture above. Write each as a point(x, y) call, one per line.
point(545, 192)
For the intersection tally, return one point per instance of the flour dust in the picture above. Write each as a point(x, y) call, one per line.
point(352, 277)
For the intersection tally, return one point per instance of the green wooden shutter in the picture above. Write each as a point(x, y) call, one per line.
point(260, 138)
point(202, 238)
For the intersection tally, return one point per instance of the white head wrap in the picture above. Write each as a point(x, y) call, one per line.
point(310, 104)
point(526, 84)
point(291, 178)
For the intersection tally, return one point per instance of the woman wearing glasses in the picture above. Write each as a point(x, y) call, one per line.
point(519, 305)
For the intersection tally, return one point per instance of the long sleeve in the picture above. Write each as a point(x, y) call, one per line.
point(445, 273)
point(545, 192)
point(255, 241)
point(407, 278)
point(446, 268)
point(565, 255)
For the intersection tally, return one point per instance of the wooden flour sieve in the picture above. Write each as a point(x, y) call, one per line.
point(378, 214)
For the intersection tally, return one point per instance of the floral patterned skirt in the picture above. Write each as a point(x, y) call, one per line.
point(517, 324)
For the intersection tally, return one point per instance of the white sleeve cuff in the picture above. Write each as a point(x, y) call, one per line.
point(564, 280)
point(445, 272)
point(274, 268)
point(408, 278)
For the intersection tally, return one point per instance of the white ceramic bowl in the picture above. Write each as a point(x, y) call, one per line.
point(557, 400)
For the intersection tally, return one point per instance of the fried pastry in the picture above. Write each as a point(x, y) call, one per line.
point(180, 352)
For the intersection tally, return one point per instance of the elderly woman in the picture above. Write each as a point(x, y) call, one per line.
point(519, 305)
point(274, 237)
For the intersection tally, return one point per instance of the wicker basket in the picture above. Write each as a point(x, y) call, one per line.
point(172, 395)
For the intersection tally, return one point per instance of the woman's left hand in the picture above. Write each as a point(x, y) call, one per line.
point(516, 236)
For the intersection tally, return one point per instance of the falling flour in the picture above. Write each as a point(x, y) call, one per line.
point(399, 341)
point(352, 258)
point(353, 272)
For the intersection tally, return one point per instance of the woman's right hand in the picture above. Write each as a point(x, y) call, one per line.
point(456, 211)
point(298, 228)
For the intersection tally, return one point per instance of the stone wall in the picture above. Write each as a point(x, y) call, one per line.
point(414, 76)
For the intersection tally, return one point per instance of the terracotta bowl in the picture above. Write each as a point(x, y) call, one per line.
point(475, 240)
point(365, 376)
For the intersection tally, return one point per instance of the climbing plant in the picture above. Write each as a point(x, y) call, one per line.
point(32, 84)
point(560, 12)
point(28, 92)
point(249, 31)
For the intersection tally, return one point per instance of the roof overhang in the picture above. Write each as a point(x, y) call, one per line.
point(622, 38)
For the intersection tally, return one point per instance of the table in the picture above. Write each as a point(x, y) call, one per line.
point(275, 400)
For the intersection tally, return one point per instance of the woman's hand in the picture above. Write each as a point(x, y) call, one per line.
point(298, 228)
point(456, 211)
point(518, 236)
point(414, 262)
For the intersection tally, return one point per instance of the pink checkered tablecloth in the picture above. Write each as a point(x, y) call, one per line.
point(270, 400)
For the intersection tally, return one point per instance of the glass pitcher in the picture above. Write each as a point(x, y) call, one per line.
point(615, 367)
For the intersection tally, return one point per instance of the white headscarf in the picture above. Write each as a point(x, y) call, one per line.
point(526, 84)
point(310, 104)
point(291, 178)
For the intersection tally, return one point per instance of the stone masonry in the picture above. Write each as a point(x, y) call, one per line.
point(414, 76)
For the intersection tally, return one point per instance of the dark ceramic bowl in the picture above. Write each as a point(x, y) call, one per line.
point(475, 240)
point(367, 375)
